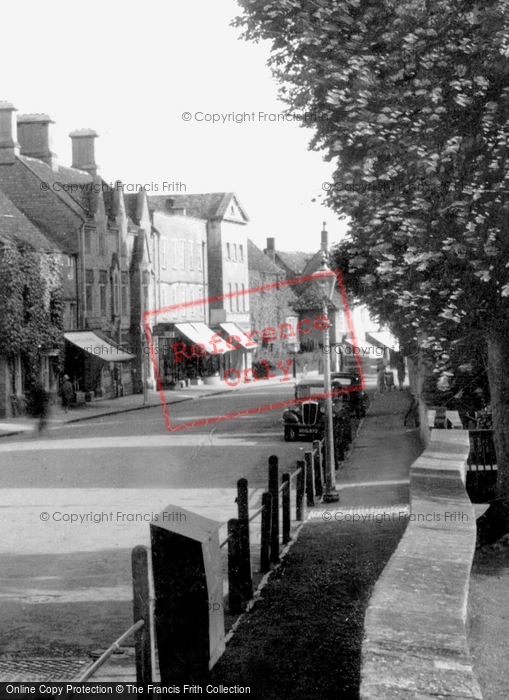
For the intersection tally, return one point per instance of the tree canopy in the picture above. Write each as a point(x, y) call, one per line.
point(415, 100)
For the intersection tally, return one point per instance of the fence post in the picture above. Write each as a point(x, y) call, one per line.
point(245, 574)
point(274, 521)
point(287, 516)
point(318, 467)
point(265, 538)
point(310, 480)
point(234, 596)
point(300, 490)
point(141, 611)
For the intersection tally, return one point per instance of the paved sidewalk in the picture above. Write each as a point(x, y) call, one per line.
point(134, 402)
point(303, 637)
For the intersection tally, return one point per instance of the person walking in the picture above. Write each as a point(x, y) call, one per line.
point(399, 363)
point(66, 392)
point(380, 375)
point(38, 405)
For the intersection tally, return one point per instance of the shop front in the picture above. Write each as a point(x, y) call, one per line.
point(190, 353)
point(97, 367)
point(243, 347)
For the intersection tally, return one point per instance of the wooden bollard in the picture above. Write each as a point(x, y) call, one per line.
point(310, 480)
point(301, 489)
point(274, 522)
point(141, 611)
point(234, 584)
point(245, 573)
point(318, 467)
point(265, 534)
point(287, 516)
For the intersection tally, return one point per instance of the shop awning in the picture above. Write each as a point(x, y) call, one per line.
point(90, 342)
point(365, 349)
point(245, 341)
point(383, 339)
point(199, 333)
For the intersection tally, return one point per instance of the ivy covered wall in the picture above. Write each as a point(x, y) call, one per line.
point(31, 307)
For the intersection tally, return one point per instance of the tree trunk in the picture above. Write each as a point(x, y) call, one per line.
point(498, 375)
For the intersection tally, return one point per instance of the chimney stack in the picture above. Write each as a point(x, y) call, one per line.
point(172, 209)
point(270, 250)
point(9, 148)
point(83, 150)
point(35, 138)
point(325, 240)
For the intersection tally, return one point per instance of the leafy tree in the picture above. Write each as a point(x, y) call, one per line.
point(412, 106)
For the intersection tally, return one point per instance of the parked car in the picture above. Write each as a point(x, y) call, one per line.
point(357, 399)
point(305, 421)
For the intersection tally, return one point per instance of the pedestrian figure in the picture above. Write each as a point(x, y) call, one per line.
point(305, 370)
point(380, 375)
point(38, 405)
point(389, 379)
point(399, 362)
point(66, 392)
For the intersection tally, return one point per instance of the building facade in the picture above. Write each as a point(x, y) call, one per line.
point(85, 218)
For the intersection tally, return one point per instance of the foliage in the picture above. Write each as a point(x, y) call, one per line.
point(416, 100)
point(411, 105)
point(31, 306)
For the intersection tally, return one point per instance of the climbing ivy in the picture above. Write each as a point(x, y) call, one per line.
point(31, 306)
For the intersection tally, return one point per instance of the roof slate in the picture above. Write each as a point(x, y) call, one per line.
point(257, 260)
point(294, 261)
point(209, 205)
point(16, 229)
point(131, 205)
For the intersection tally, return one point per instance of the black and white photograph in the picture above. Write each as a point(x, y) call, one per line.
point(254, 320)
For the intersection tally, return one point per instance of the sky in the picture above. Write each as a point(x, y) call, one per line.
point(132, 70)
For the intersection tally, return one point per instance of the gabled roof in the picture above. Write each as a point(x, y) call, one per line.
point(257, 260)
point(295, 261)
point(314, 263)
point(131, 205)
point(16, 229)
point(211, 205)
point(58, 179)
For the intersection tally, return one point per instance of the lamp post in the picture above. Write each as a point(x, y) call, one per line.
point(323, 281)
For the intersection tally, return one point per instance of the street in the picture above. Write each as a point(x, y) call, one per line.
point(76, 501)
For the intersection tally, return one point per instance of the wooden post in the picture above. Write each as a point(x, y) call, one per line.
point(141, 611)
point(287, 516)
point(274, 521)
point(245, 573)
point(318, 468)
point(310, 480)
point(300, 491)
point(265, 538)
point(234, 587)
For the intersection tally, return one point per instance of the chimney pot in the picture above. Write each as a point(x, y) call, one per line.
point(9, 147)
point(270, 250)
point(35, 138)
point(83, 150)
point(325, 240)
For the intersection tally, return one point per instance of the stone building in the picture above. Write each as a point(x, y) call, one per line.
point(86, 219)
point(271, 307)
point(207, 258)
point(31, 306)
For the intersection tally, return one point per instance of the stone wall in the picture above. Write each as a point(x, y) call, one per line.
point(415, 641)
